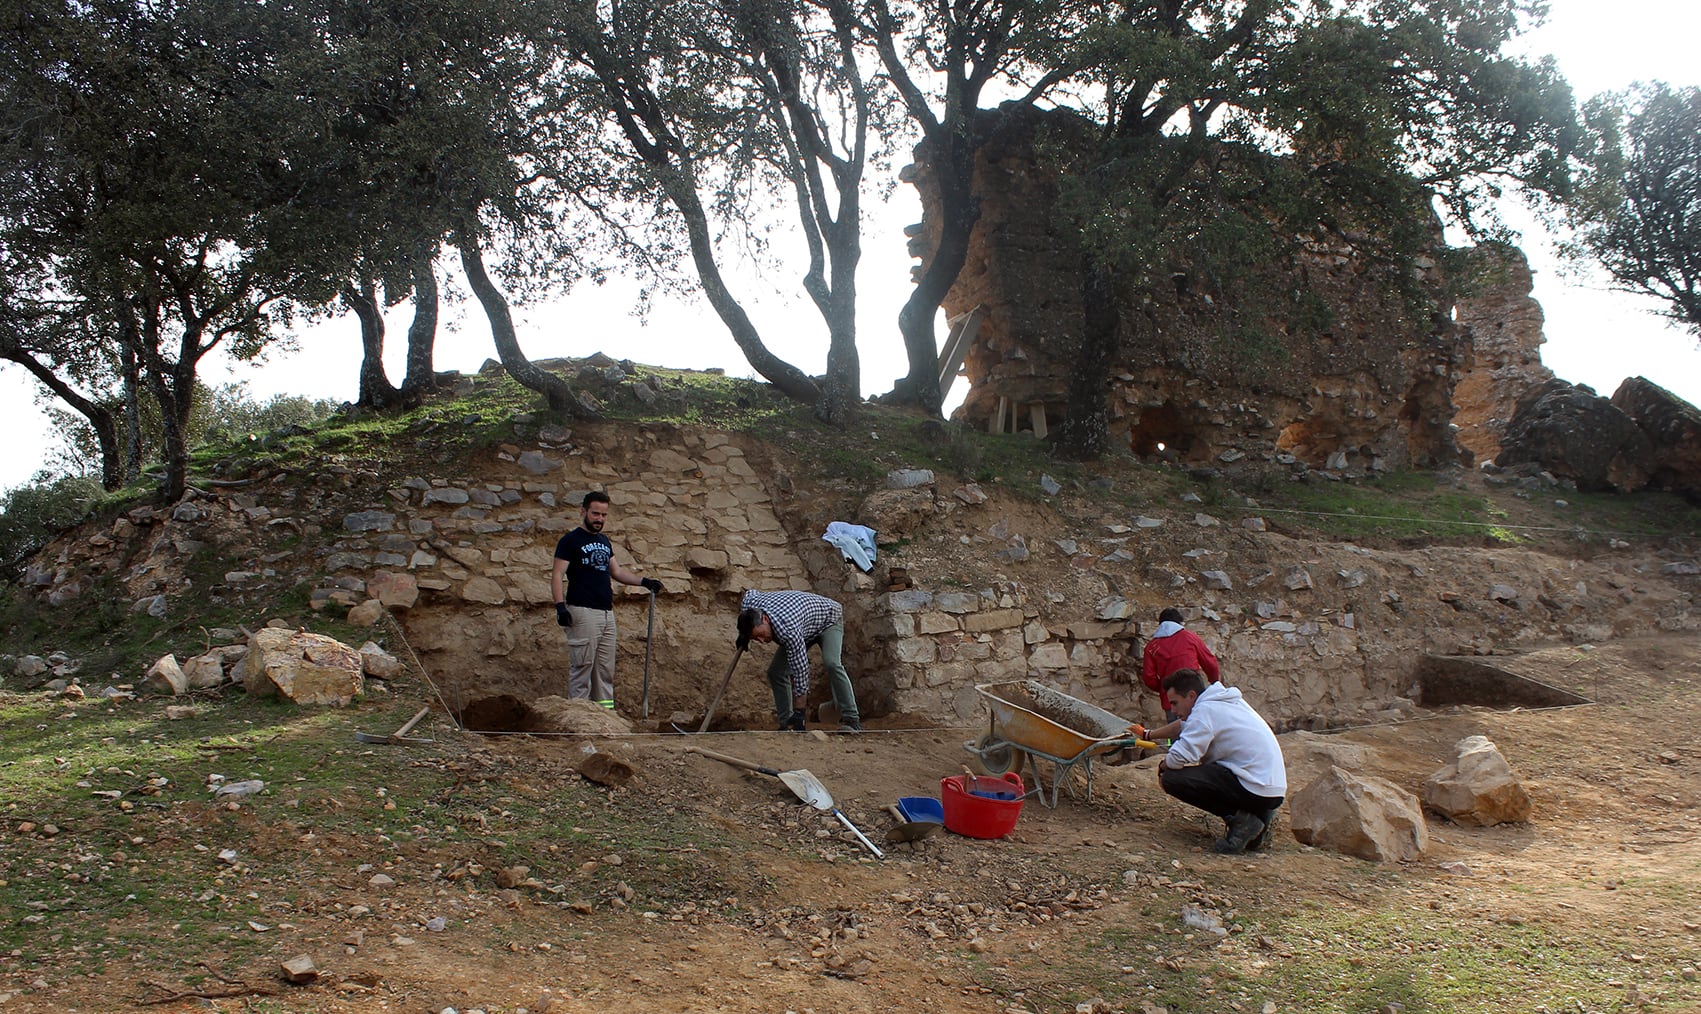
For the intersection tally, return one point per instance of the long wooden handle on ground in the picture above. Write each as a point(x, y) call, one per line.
point(405, 729)
point(709, 712)
point(734, 761)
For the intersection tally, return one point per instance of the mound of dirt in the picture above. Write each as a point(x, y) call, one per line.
point(573, 716)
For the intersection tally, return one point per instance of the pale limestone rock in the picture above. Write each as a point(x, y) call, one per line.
point(1359, 815)
point(366, 614)
point(1478, 787)
point(711, 560)
point(204, 672)
point(395, 591)
point(1049, 656)
point(378, 663)
point(306, 668)
point(530, 586)
point(483, 590)
point(165, 677)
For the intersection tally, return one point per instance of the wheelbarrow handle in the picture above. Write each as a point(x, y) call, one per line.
point(734, 761)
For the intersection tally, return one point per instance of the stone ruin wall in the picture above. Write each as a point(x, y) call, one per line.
point(1376, 389)
point(1314, 633)
point(1503, 360)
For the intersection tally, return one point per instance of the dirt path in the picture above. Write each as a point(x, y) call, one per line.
point(777, 909)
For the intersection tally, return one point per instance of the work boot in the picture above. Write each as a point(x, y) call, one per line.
point(792, 722)
point(850, 728)
point(1243, 827)
point(1261, 840)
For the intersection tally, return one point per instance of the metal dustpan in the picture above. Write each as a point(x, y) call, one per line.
point(802, 783)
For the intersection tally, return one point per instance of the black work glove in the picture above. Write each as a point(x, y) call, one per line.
point(651, 585)
point(562, 616)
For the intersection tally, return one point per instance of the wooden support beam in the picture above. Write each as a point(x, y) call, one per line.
point(1036, 416)
point(998, 418)
point(963, 329)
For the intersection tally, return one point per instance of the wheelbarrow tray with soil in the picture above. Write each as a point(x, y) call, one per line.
point(1032, 720)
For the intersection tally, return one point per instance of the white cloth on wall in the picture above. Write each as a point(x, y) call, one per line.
point(856, 542)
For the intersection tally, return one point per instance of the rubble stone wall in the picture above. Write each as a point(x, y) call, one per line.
point(1315, 633)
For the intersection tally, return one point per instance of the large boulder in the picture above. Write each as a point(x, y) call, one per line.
point(1674, 426)
point(1361, 816)
point(306, 668)
point(1574, 433)
point(1478, 788)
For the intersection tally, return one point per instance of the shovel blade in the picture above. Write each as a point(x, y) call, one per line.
point(808, 788)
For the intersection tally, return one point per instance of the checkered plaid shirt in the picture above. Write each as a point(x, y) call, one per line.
point(798, 619)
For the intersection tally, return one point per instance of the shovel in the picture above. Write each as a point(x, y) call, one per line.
point(709, 712)
point(802, 784)
point(649, 637)
point(397, 737)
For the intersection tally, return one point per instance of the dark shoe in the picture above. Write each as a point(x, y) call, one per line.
point(792, 722)
point(1243, 827)
point(850, 728)
point(1261, 840)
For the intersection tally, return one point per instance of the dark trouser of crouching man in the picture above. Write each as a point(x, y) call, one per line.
point(1226, 762)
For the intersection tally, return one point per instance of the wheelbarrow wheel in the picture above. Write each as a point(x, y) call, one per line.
point(996, 756)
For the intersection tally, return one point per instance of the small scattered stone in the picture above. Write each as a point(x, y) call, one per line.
point(300, 970)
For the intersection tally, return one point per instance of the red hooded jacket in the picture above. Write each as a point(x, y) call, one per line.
point(1180, 650)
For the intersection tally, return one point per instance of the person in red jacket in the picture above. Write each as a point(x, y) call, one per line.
point(1173, 647)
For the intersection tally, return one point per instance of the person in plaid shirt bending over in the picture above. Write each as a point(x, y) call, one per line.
point(795, 620)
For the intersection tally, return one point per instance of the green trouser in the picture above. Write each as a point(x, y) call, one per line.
point(832, 642)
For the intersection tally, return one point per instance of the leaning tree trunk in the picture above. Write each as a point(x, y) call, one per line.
point(958, 212)
point(99, 417)
point(554, 390)
point(1085, 433)
point(376, 391)
point(422, 334)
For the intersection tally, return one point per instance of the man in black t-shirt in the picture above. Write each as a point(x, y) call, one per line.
point(585, 557)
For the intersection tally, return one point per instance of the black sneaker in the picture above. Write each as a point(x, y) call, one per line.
point(1243, 827)
point(850, 728)
point(792, 722)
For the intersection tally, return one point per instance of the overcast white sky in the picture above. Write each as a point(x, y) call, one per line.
point(1594, 336)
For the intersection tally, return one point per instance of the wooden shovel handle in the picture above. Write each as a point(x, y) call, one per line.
point(408, 727)
point(734, 761)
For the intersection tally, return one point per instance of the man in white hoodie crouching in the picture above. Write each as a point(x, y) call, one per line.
point(1227, 761)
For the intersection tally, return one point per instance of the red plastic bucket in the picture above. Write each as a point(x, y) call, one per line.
point(988, 808)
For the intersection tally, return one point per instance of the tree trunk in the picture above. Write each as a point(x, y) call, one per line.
point(131, 371)
point(791, 381)
point(99, 417)
point(422, 334)
point(554, 390)
point(1085, 433)
point(376, 391)
point(958, 213)
point(841, 394)
point(173, 412)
